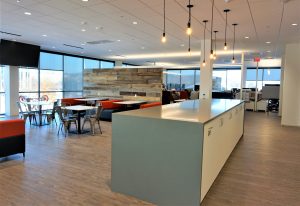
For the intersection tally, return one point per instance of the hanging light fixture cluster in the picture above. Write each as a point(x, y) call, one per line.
point(213, 48)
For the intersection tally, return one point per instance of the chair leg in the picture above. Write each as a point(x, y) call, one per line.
point(92, 123)
point(99, 126)
point(23, 154)
point(83, 124)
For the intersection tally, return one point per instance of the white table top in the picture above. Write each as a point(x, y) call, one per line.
point(200, 111)
point(38, 103)
point(179, 100)
point(79, 108)
point(92, 99)
point(130, 102)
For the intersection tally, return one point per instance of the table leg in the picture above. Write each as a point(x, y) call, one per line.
point(40, 115)
point(79, 122)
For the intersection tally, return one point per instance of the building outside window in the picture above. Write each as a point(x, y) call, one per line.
point(73, 76)
point(226, 79)
point(107, 64)
point(181, 79)
point(91, 64)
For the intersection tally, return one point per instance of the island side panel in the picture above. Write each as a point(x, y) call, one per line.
point(157, 160)
point(220, 138)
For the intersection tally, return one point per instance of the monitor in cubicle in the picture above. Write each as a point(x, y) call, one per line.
point(271, 91)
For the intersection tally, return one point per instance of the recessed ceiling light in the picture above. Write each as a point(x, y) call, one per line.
point(110, 50)
point(268, 42)
point(246, 37)
point(182, 45)
point(269, 51)
point(83, 30)
point(294, 24)
point(18, 1)
point(44, 35)
point(85, 0)
point(142, 47)
point(53, 47)
point(134, 22)
point(83, 44)
point(14, 40)
point(118, 40)
point(27, 13)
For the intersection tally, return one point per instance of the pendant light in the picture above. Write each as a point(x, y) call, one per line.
point(211, 30)
point(189, 28)
point(204, 63)
point(164, 38)
point(225, 44)
point(233, 59)
point(215, 54)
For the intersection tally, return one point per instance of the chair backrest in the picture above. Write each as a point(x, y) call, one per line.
point(19, 106)
point(98, 112)
point(58, 110)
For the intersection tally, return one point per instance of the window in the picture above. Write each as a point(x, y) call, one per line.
point(2, 91)
point(219, 80)
point(91, 64)
point(173, 79)
point(265, 76)
point(187, 79)
point(107, 64)
point(28, 80)
point(73, 74)
point(226, 79)
point(51, 61)
point(181, 79)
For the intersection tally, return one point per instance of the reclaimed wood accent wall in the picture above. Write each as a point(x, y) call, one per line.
point(130, 83)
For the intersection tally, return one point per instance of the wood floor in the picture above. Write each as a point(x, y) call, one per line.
point(264, 169)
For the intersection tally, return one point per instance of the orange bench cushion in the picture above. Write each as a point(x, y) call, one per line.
point(109, 104)
point(153, 104)
point(11, 128)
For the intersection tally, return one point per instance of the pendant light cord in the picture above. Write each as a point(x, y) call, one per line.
point(226, 29)
point(212, 22)
point(164, 16)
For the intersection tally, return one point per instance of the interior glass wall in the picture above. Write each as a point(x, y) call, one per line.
point(265, 76)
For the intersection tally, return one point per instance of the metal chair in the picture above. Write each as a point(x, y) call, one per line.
point(65, 121)
point(93, 119)
point(25, 114)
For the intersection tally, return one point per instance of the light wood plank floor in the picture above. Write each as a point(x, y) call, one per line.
point(264, 169)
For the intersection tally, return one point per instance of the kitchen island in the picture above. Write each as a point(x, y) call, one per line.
point(171, 154)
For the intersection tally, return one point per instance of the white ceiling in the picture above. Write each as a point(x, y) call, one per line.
point(63, 20)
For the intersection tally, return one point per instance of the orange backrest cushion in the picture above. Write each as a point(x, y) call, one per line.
point(71, 101)
point(153, 104)
point(109, 104)
point(10, 128)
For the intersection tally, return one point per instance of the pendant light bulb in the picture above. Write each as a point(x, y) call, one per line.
point(211, 56)
point(233, 60)
point(189, 52)
point(225, 46)
point(215, 57)
point(189, 29)
point(204, 63)
point(164, 38)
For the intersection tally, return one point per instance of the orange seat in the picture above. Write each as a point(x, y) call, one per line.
point(109, 104)
point(11, 128)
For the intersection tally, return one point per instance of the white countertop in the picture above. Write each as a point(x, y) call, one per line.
point(200, 111)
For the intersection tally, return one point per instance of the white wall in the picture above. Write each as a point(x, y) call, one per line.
point(11, 78)
point(291, 86)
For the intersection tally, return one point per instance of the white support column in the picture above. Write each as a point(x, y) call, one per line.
point(11, 79)
point(243, 74)
point(206, 72)
point(281, 85)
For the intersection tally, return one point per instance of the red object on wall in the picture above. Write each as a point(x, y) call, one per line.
point(256, 59)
